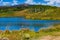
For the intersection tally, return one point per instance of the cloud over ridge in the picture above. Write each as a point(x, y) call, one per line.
point(32, 2)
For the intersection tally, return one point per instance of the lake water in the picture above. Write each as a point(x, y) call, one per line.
point(18, 23)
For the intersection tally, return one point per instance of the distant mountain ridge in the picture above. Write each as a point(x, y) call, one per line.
point(23, 5)
point(43, 12)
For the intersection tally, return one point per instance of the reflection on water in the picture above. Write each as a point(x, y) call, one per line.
point(18, 23)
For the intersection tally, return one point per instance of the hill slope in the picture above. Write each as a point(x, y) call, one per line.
point(35, 12)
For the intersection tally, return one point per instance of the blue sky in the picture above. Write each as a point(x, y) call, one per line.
point(32, 2)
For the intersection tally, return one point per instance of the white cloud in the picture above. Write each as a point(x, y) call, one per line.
point(57, 1)
point(6, 3)
point(46, 0)
point(29, 1)
point(32, 2)
point(37, 3)
point(15, 2)
point(52, 2)
point(49, 2)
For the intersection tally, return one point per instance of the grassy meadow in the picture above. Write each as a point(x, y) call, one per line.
point(26, 34)
point(33, 12)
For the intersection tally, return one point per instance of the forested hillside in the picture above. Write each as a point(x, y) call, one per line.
point(34, 12)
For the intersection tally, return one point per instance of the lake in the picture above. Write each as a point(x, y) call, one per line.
point(18, 23)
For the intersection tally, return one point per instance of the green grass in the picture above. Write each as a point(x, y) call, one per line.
point(17, 34)
point(32, 12)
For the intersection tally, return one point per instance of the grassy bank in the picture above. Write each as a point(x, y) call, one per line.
point(34, 12)
point(21, 34)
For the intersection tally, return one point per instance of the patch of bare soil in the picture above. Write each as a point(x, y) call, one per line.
point(49, 38)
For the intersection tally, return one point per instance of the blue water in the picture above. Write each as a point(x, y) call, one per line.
point(18, 23)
